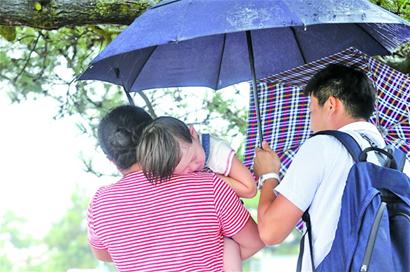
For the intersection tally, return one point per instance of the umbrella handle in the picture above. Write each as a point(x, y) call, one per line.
point(254, 89)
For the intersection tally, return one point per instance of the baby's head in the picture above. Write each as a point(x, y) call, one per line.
point(168, 146)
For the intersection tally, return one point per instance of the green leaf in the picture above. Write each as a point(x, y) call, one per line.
point(8, 32)
point(37, 6)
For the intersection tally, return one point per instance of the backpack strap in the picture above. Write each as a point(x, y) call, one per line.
point(346, 139)
point(306, 219)
point(354, 149)
point(205, 141)
point(400, 158)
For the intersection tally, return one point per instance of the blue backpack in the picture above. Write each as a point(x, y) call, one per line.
point(373, 232)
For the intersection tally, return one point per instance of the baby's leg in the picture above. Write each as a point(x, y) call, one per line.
point(232, 256)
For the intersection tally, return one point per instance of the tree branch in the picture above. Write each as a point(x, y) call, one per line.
point(53, 14)
point(28, 57)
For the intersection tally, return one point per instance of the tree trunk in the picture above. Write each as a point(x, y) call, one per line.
point(53, 14)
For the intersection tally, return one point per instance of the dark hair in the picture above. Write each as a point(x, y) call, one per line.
point(347, 83)
point(159, 150)
point(119, 132)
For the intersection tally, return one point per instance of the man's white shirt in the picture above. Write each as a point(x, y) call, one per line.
point(316, 180)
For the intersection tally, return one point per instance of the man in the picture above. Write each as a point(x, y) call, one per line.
point(342, 98)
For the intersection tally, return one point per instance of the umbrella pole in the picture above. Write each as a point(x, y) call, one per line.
point(130, 100)
point(127, 93)
point(254, 90)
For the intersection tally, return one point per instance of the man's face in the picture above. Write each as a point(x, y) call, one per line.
point(317, 115)
point(192, 156)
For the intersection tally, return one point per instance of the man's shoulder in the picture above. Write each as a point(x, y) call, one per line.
point(320, 141)
point(363, 131)
point(320, 148)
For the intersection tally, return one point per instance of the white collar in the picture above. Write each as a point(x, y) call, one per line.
point(364, 127)
point(360, 125)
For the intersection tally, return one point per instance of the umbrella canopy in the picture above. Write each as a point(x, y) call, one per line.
point(285, 110)
point(204, 43)
point(215, 44)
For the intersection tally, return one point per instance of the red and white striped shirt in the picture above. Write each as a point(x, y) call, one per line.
point(177, 225)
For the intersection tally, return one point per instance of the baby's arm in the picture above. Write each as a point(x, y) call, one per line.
point(240, 179)
point(222, 160)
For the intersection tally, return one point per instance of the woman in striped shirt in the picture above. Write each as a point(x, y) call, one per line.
point(173, 225)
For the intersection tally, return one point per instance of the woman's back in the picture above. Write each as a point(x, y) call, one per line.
point(175, 225)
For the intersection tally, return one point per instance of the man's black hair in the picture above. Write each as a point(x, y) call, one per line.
point(347, 83)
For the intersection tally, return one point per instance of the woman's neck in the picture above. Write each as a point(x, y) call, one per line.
point(134, 168)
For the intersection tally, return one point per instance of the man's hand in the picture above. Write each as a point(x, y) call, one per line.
point(266, 160)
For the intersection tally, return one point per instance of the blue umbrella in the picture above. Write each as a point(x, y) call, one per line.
point(217, 43)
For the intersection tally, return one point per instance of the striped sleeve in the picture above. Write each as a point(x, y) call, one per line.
point(231, 213)
point(93, 239)
point(229, 163)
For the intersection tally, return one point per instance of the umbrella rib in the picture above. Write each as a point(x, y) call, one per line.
point(142, 67)
point(220, 63)
point(298, 44)
point(397, 124)
point(371, 36)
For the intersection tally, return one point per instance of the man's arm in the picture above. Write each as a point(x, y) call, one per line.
point(101, 254)
point(278, 221)
point(277, 216)
point(248, 239)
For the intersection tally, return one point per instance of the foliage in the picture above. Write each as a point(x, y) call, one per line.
point(15, 241)
point(46, 63)
point(399, 7)
point(64, 247)
point(399, 60)
point(66, 239)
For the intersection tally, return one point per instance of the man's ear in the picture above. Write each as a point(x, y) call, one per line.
point(332, 104)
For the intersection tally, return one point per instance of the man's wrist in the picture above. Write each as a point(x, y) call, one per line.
point(268, 176)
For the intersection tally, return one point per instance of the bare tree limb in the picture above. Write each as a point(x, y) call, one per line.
point(53, 14)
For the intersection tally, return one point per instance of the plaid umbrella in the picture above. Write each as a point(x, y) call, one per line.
point(393, 105)
point(285, 110)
